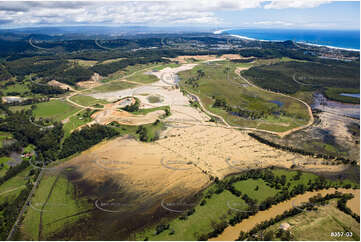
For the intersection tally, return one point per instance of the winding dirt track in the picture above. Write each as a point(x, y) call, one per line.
point(281, 134)
point(231, 233)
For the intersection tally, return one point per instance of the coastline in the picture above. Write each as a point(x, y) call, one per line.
point(299, 42)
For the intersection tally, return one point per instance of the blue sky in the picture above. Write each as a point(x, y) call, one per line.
point(333, 15)
point(213, 14)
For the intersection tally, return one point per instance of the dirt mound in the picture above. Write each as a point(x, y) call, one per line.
point(107, 116)
point(94, 81)
point(55, 83)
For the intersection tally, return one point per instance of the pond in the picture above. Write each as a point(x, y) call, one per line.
point(279, 103)
point(356, 95)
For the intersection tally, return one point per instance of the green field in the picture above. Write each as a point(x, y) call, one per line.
point(87, 100)
point(55, 196)
point(200, 222)
point(143, 78)
point(113, 86)
point(10, 189)
point(54, 109)
point(220, 82)
point(4, 136)
point(256, 189)
point(150, 132)
point(318, 225)
point(3, 165)
point(149, 110)
point(77, 120)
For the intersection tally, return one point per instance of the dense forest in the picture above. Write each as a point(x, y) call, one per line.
point(85, 138)
point(290, 77)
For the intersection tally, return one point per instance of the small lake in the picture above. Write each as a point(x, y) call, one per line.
point(356, 95)
point(279, 103)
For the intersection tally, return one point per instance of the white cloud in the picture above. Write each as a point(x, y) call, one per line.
point(278, 22)
point(161, 12)
point(280, 4)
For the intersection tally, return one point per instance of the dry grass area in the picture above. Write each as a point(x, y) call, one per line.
point(55, 83)
point(354, 203)
point(106, 116)
point(185, 58)
point(214, 150)
point(137, 166)
point(94, 81)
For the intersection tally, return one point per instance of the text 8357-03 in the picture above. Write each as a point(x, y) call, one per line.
point(341, 234)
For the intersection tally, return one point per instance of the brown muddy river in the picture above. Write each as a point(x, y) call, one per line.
point(231, 233)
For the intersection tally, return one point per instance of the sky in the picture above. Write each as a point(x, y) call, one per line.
point(216, 14)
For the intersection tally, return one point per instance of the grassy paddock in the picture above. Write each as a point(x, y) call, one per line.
point(59, 209)
point(113, 86)
point(54, 109)
point(220, 81)
point(87, 100)
point(17, 183)
point(143, 78)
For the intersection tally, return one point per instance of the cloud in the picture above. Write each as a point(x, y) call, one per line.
point(277, 22)
point(281, 4)
point(157, 12)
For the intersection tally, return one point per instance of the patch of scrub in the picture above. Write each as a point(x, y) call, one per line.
point(154, 99)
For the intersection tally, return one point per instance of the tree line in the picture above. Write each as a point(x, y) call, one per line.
point(253, 206)
point(302, 152)
point(318, 199)
point(83, 139)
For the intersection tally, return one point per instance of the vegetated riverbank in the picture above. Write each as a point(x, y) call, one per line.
point(231, 233)
point(235, 198)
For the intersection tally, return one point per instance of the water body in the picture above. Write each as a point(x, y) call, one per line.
point(279, 103)
point(357, 95)
point(348, 39)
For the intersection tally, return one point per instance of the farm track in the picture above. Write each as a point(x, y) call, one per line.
point(13, 189)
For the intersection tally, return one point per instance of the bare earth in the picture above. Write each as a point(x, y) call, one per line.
point(55, 83)
point(184, 58)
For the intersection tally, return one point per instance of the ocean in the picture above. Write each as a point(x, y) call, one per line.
point(347, 39)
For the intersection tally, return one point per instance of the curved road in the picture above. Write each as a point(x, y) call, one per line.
point(282, 134)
